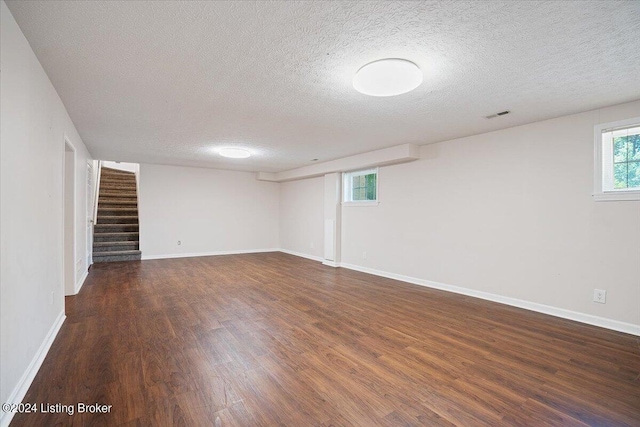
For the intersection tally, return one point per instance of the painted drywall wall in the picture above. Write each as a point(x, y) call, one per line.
point(123, 166)
point(302, 217)
point(507, 213)
point(34, 124)
point(207, 210)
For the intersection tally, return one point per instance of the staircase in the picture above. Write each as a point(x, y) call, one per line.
point(116, 232)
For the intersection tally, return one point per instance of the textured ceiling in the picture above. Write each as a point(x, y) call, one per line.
point(165, 82)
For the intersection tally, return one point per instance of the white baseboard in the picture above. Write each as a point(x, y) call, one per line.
point(81, 282)
point(23, 385)
point(330, 263)
point(199, 254)
point(602, 322)
point(300, 254)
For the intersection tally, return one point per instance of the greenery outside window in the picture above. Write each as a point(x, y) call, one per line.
point(361, 187)
point(617, 154)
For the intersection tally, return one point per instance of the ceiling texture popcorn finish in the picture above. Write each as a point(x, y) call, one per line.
point(169, 82)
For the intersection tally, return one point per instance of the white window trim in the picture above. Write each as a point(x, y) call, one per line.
point(346, 188)
point(361, 203)
point(599, 193)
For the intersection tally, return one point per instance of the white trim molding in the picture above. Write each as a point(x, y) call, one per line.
point(589, 319)
point(200, 254)
point(301, 255)
point(361, 203)
point(74, 229)
point(600, 191)
point(617, 196)
point(81, 281)
point(347, 187)
point(23, 385)
point(330, 263)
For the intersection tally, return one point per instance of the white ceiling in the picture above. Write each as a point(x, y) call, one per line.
point(165, 82)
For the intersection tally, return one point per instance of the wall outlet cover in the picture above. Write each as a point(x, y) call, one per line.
point(600, 296)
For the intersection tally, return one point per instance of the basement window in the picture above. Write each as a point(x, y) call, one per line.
point(617, 161)
point(360, 188)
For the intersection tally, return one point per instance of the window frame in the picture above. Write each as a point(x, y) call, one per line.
point(600, 191)
point(347, 187)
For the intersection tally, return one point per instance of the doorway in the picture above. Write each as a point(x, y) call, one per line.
point(69, 215)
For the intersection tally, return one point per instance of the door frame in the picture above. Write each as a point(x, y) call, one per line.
point(69, 248)
point(90, 187)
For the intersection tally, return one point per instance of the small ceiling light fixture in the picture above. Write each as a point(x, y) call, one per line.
point(234, 153)
point(387, 77)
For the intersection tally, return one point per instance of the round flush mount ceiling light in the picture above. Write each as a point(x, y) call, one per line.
point(234, 153)
point(387, 77)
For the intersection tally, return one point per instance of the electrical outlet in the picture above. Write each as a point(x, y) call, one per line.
point(312, 245)
point(179, 242)
point(600, 296)
point(364, 255)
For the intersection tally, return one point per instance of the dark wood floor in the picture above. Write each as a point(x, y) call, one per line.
point(272, 339)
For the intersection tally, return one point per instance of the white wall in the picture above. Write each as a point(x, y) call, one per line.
point(127, 167)
point(208, 210)
point(34, 123)
point(508, 213)
point(302, 217)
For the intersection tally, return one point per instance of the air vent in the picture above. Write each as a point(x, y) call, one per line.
point(501, 113)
